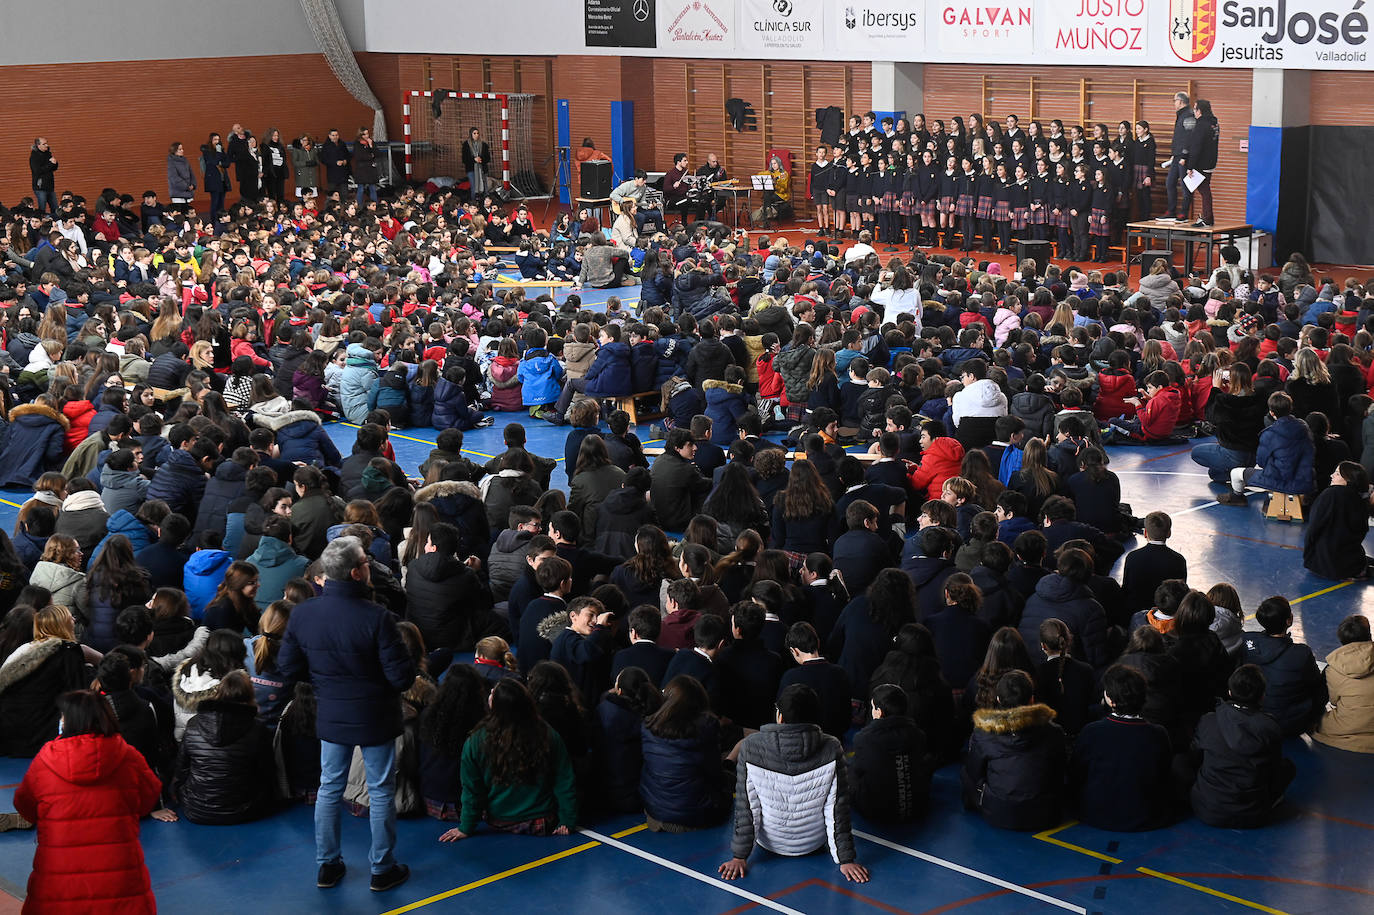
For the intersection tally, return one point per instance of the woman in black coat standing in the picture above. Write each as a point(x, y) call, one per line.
point(367, 166)
point(275, 165)
point(214, 165)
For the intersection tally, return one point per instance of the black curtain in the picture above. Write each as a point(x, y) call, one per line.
point(1328, 175)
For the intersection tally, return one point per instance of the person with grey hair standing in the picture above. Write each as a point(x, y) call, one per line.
point(1177, 207)
point(351, 650)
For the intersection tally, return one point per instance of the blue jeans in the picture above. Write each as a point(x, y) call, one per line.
point(380, 763)
point(370, 189)
point(1219, 461)
point(45, 200)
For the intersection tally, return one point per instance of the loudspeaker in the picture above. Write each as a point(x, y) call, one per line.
point(596, 179)
point(1040, 251)
point(1148, 258)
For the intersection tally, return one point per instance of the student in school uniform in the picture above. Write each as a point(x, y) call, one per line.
point(1001, 205)
point(966, 202)
point(948, 182)
point(853, 192)
point(1080, 202)
point(927, 188)
point(1019, 193)
point(868, 171)
point(985, 202)
point(1142, 170)
point(1059, 219)
point(818, 189)
point(1038, 200)
point(1100, 214)
point(887, 192)
point(1119, 176)
point(906, 200)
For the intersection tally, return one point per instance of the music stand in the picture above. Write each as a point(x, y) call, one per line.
point(762, 182)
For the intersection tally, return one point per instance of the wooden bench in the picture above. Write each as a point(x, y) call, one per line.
point(1282, 506)
point(627, 403)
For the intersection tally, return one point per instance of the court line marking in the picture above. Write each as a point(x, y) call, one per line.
point(510, 872)
point(422, 441)
point(696, 875)
point(1163, 473)
point(1282, 546)
point(970, 872)
point(1198, 508)
point(1048, 835)
point(11, 504)
point(1337, 587)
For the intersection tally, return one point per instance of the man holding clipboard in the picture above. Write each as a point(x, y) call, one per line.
point(1197, 160)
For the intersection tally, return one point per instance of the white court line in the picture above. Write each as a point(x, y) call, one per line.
point(1162, 473)
point(1198, 508)
point(696, 875)
point(970, 872)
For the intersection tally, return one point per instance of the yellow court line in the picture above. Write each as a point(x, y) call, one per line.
point(1209, 891)
point(422, 441)
point(11, 504)
point(1344, 584)
point(520, 869)
point(1049, 836)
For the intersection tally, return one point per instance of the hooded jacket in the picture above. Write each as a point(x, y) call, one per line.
point(609, 375)
point(277, 564)
point(224, 772)
point(226, 485)
point(1295, 691)
point(204, 571)
point(891, 769)
point(359, 375)
point(540, 376)
point(68, 586)
point(88, 793)
point(443, 596)
point(122, 489)
point(79, 414)
point(792, 793)
point(982, 398)
point(460, 503)
point(1036, 410)
point(1061, 598)
point(1113, 387)
point(725, 404)
point(1286, 456)
point(301, 437)
point(794, 365)
point(32, 444)
point(680, 777)
point(180, 482)
point(1349, 724)
point(939, 462)
point(1014, 768)
point(31, 679)
point(1241, 775)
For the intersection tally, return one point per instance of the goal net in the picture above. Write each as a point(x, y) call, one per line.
point(434, 145)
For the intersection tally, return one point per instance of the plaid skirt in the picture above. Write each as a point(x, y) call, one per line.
point(964, 205)
point(1061, 219)
point(907, 205)
point(946, 204)
point(1020, 218)
point(889, 201)
point(1040, 217)
point(1001, 211)
point(1098, 223)
point(983, 208)
point(1140, 173)
point(926, 209)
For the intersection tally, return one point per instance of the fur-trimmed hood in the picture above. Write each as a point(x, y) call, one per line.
point(37, 409)
point(26, 659)
point(1013, 720)
point(282, 420)
point(553, 624)
point(710, 383)
point(191, 687)
point(448, 488)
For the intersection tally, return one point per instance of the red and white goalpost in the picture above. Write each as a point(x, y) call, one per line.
point(434, 146)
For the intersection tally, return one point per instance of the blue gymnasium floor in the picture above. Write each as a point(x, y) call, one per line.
point(1314, 860)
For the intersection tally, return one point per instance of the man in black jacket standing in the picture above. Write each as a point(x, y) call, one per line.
point(1201, 158)
point(350, 649)
point(1184, 120)
point(336, 158)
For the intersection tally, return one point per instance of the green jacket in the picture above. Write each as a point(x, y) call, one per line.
point(556, 792)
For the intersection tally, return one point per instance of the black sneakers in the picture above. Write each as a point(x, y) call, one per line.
point(330, 874)
point(393, 878)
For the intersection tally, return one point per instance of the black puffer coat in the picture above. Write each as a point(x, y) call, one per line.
point(224, 773)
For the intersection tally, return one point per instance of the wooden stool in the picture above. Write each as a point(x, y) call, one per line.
point(627, 404)
point(1282, 506)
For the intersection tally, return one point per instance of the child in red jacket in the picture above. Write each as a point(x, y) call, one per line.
point(1156, 418)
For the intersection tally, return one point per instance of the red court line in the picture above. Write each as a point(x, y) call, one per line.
point(1282, 546)
point(805, 884)
point(1160, 457)
point(1347, 822)
point(15, 785)
point(1099, 878)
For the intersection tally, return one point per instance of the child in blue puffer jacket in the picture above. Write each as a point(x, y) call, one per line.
point(540, 374)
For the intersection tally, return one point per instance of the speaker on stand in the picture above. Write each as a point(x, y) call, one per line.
point(596, 179)
point(1033, 249)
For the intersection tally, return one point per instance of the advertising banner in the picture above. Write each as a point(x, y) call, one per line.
point(790, 26)
point(1306, 35)
point(620, 24)
point(1085, 30)
point(879, 29)
point(690, 27)
point(1001, 32)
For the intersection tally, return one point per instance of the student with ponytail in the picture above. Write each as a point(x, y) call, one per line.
point(1062, 682)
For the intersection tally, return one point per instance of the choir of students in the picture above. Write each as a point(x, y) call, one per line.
point(917, 184)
